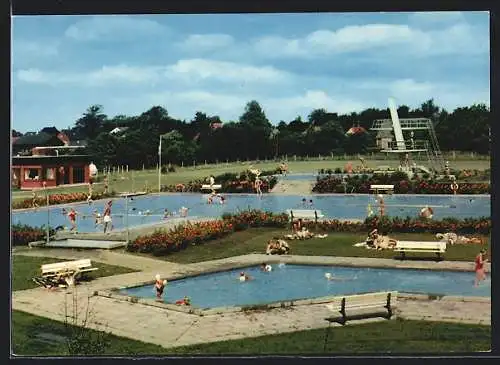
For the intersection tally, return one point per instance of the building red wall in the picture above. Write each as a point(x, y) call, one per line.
point(35, 184)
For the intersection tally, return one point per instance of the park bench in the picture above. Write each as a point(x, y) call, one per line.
point(211, 187)
point(403, 247)
point(360, 306)
point(382, 188)
point(68, 272)
point(304, 214)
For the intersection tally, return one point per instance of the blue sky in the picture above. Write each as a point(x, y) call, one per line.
point(290, 63)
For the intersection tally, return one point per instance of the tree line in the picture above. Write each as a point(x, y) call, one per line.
point(253, 136)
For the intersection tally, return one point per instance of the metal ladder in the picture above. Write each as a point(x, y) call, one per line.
point(437, 156)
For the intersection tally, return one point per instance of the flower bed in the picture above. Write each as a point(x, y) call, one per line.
point(163, 242)
point(230, 183)
point(402, 185)
point(256, 218)
point(55, 199)
point(24, 234)
point(407, 225)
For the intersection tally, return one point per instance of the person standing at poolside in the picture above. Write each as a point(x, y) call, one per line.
point(34, 202)
point(258, 184)
point(106, 185)
point(381, 204)
point(89, 196)
point(479, 267)
point(108, 222)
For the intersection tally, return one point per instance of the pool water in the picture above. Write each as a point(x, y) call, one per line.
point(332, 206)
point(293, 282)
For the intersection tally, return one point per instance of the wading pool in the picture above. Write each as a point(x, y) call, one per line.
point(293, 282)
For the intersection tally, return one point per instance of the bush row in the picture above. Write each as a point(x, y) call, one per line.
point(230, 183)
point(60, 199)
point(163, 242)
point(22, 234)
point(402, 185)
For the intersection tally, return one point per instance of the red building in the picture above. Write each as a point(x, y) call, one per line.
point(47, 158)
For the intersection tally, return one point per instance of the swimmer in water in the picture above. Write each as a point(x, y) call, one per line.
point(304, 202)
point(265, 267)
point(244, 277)
point(159, 286)
point(330, 277)
point(165, 213)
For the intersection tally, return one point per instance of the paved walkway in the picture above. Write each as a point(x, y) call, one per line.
point(293, 187)
point(169, 328)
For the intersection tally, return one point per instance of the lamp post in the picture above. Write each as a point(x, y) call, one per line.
point(159, 166)
point(126, 217)
point(48, 212)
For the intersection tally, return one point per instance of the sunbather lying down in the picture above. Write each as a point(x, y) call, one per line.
point(277, 247)
point(304, 234)
point(452, 238)
point(377, 241)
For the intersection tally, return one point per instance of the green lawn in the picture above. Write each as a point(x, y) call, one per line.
point(336, 244)
point(136, 180)
point(26, 267)
point(37, 336)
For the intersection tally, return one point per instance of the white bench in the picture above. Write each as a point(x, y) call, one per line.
point(382, 188)
point(304, 214)
point(361, 306)
point(211, 187)
point(403, 247)
point(67, 271)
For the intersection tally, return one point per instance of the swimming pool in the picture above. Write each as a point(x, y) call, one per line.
point(332, 206)
point(293, 282)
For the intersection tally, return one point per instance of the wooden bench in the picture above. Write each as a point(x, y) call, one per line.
point(304, 214)
point(67, 271)
point(382, 188)
point(211, 187)
point(360, 306)
point(437, 247)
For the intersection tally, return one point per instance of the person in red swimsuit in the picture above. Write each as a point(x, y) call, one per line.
point(479, 267)
point(72, 219)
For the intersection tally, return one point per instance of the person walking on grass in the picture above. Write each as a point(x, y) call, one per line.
point(108, 222)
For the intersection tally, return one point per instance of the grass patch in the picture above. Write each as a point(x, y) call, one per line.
point(26, 267)
point(336, 244)
point(37, 336)
point(395, 336)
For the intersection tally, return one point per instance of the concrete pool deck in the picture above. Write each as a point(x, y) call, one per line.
point(171, 328)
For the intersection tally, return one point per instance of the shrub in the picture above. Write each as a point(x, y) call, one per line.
point(55, 199)
point(22, 234)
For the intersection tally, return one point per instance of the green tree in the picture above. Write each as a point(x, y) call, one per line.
point(89, 124)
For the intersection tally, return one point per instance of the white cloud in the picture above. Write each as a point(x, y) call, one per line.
point(113, 27)
point(436, 17)
point(460, 38)
point(30, 49)
point(103, 76)
point(184, 70)
point(205, 42)
point(199, 69)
